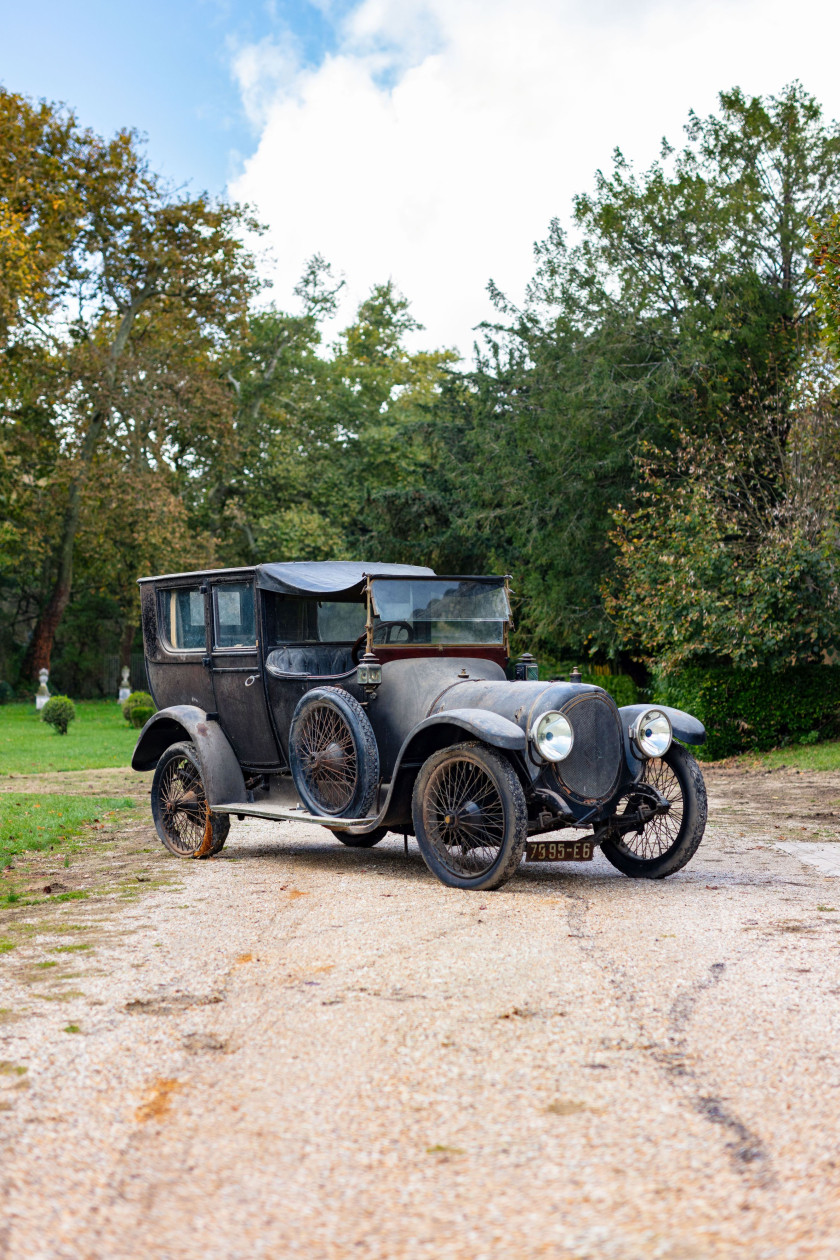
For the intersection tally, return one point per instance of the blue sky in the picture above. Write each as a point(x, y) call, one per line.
point(163, 68)
point(426, 141)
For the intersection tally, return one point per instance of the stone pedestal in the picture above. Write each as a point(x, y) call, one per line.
point(42, 695)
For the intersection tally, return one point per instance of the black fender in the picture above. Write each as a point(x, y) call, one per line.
point(452, 726)
point(687, 729)
point(220, 769)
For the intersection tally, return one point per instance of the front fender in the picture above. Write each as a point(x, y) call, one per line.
point(220, 769)
point(687, 729)
point(482, 724)
point(442, 729)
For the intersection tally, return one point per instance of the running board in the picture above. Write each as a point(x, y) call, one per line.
point(278, 814)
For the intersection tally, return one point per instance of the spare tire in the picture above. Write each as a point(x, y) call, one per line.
point(333, 754)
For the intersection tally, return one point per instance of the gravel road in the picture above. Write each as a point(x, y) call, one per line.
point(298, 1049)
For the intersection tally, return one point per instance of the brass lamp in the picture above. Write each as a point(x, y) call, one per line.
point(369, 673)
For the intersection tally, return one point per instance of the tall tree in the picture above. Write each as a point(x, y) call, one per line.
point(139, 258)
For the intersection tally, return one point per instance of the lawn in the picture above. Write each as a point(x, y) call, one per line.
point(798, 757)
point(39, 822)
point(99, 737)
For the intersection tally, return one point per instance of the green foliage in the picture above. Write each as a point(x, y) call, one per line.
point(137, 700)
point(59, 712)
point(7, 692)
point(754, 708)
point(140, 715)
point(621, 687)
point(100, 738)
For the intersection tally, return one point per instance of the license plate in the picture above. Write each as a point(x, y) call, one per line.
point(559, 850)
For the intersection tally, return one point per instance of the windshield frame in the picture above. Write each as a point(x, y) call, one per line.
point(502, 580)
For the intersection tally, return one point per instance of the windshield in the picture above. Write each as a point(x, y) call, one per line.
point(440, 610)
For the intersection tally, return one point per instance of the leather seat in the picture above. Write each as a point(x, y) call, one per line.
point(317, 660)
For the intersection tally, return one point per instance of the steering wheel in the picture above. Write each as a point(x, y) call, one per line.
point(356, 650)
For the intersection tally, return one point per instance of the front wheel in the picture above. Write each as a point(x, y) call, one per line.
point(470, 816)
point(180, 810)
point(669, 841)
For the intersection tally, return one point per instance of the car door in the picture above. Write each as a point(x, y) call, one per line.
point(237, 675)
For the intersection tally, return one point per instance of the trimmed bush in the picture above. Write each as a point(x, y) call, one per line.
point(141, 700)
point(59, 712)
point(757, 709)
point(140, 714)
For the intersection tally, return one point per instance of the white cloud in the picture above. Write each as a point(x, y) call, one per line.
point(438, 140)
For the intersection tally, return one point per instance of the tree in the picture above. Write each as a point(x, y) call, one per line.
point(140, 259)
point(686, 302)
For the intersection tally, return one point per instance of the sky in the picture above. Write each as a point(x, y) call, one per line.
point(429, 142)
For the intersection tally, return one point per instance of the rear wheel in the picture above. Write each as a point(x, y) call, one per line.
point(470, 817)
point(669, 841)
point(180, 810)
point(360, 839)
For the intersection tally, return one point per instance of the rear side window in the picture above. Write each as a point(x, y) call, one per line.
point(233, 610)
point(181, 617)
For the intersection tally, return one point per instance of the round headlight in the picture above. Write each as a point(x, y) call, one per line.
point(553, 736)
point(651, 733)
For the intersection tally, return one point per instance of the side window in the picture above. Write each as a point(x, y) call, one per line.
point(181, 617)
point(233, 616)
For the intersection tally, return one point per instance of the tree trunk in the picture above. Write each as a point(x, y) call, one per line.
point(40, 647)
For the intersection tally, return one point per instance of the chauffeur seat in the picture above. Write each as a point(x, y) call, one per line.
point(316, 660)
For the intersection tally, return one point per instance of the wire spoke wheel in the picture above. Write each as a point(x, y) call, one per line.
point(180, 808)
point(333, 754)
point(657, 837)
point(665, 843)
point(465, 817)
point(328, 760)
point(470, 816)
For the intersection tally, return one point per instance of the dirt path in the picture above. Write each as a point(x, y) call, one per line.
point(298, 1049)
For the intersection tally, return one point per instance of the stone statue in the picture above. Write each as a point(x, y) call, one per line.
point(42, 695)
point(125, 686)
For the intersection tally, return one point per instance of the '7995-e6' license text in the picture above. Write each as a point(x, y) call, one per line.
point(559, 851)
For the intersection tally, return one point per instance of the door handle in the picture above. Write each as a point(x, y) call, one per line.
point(251, 679)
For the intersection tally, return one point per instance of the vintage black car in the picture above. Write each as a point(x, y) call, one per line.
point(378, 697)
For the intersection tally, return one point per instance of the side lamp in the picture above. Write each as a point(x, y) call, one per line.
point(369, 673)
point(527, 668)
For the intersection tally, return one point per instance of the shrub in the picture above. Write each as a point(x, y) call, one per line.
point(140, 714)
point(753, 708)
point(138, 699)
point(59, 711)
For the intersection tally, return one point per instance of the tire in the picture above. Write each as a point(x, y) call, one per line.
point(333, 754)
point(179, 806)
point(667, 843)
point(483, 848)
point(360, 839)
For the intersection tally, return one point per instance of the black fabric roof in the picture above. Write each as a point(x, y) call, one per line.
point(329, 577)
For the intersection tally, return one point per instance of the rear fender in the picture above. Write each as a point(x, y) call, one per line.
point(220, 770)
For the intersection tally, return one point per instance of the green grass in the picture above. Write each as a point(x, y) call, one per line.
point(798, 757)
point(38, 822)
point(99, 737)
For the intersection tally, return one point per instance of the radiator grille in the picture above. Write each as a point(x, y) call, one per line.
point(592, 769)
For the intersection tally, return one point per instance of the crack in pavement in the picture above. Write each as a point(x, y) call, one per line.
point(748, 1153)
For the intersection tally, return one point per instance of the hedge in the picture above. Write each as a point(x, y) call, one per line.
point(620, 686)
point(757, 709)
